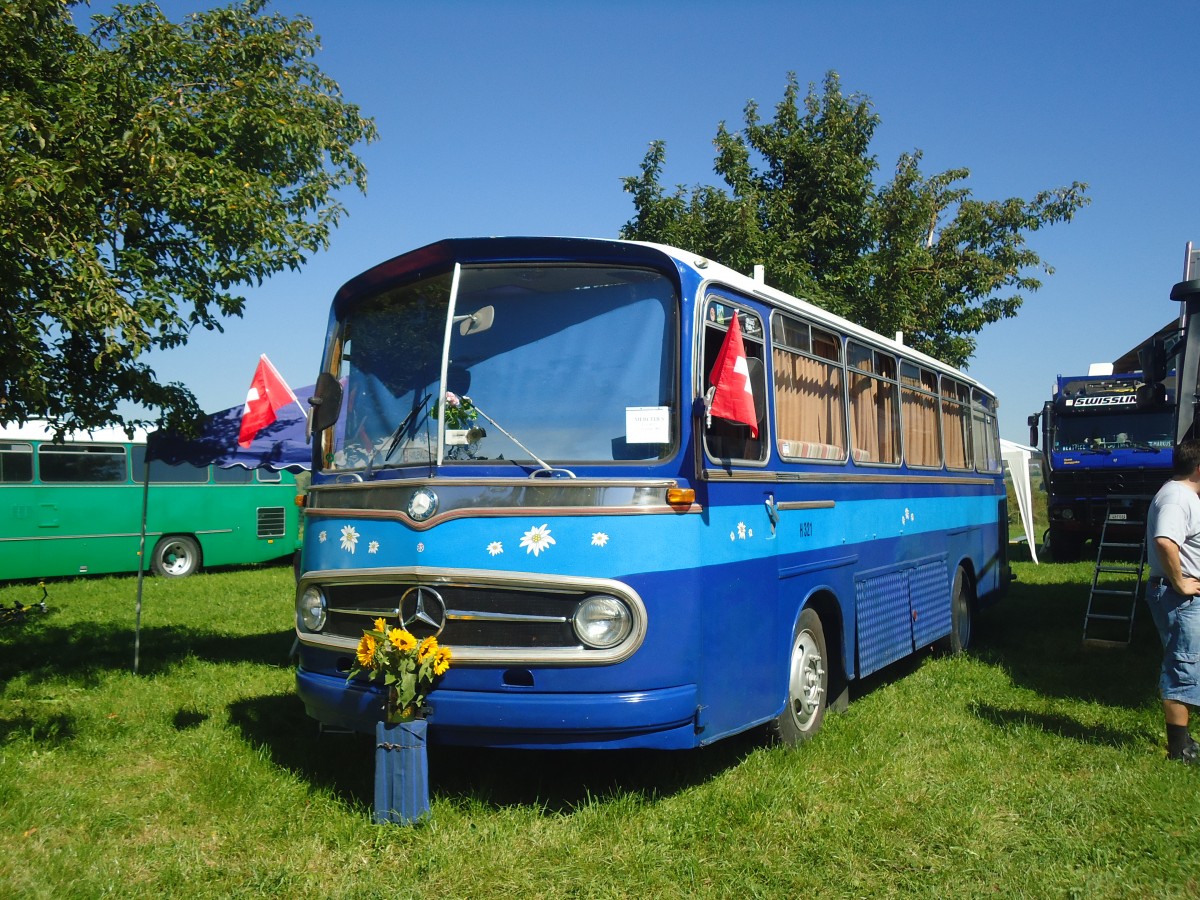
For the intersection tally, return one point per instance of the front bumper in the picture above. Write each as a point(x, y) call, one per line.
point(663, 718)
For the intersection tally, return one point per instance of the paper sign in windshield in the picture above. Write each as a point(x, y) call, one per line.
point(648, 424)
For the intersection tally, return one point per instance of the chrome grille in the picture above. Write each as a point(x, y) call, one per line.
point(476, 616)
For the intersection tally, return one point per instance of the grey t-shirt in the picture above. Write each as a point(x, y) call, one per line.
point(1175, 514)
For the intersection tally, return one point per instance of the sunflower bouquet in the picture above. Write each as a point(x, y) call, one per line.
point(409, 668)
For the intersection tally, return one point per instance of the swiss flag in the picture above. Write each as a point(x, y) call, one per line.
point(268, 394)
point(732, 395)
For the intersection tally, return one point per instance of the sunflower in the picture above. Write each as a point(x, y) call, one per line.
point(428, 647)
point(441, 660)
point(381, 626)
point(366, 650)
point(401, 640)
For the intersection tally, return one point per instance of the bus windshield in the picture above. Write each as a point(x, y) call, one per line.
point(567, 364)
point(1105, 432)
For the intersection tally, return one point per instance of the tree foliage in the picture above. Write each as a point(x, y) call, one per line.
point(918, 254)
point(150, 169)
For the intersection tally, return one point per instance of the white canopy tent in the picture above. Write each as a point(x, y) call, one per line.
point(1016, 457)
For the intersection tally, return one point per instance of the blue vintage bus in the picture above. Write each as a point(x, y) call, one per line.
point(512, 451)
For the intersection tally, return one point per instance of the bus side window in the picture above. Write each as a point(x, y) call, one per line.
point(85, 463)
point(956, 424)
point(232, 475)
point(810, 402)
point(16, 463)
point(724, 439)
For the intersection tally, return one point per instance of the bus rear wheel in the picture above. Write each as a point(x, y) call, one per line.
point(962, 616)
point(808, 683)
point(175, 556)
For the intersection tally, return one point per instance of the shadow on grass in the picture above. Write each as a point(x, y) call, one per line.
point(42, 650)
point(1054, 723)
point(555, 781)
point(1036, 635)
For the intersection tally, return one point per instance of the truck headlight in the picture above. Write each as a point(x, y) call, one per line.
point(311, 610)
point(602, 621)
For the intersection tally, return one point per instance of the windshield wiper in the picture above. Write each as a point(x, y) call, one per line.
point(545, 466)
point(396, 435)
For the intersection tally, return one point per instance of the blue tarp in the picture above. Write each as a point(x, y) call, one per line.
point(281, 445)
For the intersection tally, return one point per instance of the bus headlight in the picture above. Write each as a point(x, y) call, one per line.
point(602, 621)
point(311, 609)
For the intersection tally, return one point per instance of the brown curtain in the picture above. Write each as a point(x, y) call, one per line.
point(874, 418)
point(919, 414)
point(809, 403)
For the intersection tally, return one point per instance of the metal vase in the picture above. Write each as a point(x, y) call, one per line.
point(401, 772)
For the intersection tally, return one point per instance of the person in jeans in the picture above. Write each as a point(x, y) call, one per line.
point(1173, 542)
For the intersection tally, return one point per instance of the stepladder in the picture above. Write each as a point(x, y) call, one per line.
point(1119, 575)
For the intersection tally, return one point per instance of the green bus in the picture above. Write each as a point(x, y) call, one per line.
point(74, 507)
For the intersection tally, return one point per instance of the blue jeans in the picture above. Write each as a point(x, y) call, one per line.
point(1178, 621)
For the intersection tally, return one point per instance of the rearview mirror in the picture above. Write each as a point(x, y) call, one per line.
point(473, 323)
point(326, 402)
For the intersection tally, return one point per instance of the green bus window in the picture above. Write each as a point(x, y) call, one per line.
point(163, 473)
point(85, 463)
point(269, 475)
point(16, 463)
point(232, 475)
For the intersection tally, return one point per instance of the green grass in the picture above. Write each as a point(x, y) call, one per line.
point(1028, 767)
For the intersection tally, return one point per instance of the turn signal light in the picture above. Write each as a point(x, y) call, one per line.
point(681, 496)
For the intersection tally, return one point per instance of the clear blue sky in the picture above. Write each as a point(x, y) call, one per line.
point(501, 118)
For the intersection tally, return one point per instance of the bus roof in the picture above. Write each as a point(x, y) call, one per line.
point(476, 250)
point(42, 430)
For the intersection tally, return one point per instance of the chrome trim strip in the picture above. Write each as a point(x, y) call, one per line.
point(521, 482)
point(841, 478)
point(84, 537)
point(499, 512)
point(464, 616)
point(805, 504)
point(456, 614)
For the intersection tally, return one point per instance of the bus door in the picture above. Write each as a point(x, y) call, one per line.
point(739, 577)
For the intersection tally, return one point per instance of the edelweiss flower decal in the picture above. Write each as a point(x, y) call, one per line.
point(349, 538)
point(373, 547)
point(495, 548)
point(323, 536)
point(599, 539)
point(537, 539)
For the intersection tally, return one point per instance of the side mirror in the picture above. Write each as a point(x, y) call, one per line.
point(1153, 360)
point(326, 402)
point(1032, 421)
point(473, 323)
point(1151, 396)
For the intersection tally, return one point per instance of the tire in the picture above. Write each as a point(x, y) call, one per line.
point(807, 684)
point(1065, 547)
point(176, 556)
point(962, 616)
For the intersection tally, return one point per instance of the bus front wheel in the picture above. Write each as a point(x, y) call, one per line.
point(176, 556)
point(808, 683)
